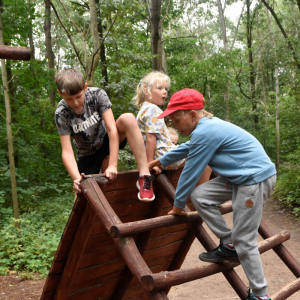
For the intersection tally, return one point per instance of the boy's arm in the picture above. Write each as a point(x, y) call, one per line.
point(69, 161)
point(198, 158)
point(175, 155)
point(170, 157)
point(112, 131)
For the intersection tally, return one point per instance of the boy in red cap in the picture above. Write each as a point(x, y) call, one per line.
point(247, 176)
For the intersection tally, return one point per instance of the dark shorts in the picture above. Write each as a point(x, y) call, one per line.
point(91, 164)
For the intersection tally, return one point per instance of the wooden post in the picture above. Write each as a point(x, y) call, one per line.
point(15, 53)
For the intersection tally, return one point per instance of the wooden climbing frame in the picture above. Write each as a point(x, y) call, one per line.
point(116, 247)
point(14, 53)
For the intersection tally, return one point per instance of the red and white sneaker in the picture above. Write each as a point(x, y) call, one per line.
point(146, 192)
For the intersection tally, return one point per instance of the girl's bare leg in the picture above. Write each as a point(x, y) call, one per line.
point(128, 128)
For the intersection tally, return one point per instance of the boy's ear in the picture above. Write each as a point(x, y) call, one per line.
point(59, 92)
point(85, 87)
point(193, 114)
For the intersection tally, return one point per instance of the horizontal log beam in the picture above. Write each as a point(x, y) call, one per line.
point(15, 53)
point(159, 222)
point(164, 280)
point(287, 291)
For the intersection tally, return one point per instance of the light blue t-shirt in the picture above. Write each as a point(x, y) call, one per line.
point(228, 149)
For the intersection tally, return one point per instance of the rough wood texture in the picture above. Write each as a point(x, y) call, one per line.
point(146, 225)
point(142, 243)
point(75, 253)
point(287, 291)
point(281, 250)
point(102, 266)
point(15, 53)
point(167, 279)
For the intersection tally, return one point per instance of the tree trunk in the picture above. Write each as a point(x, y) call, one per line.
point(49, 51)
point(290, 44)
point(102, 52)
point(9, 135)
point(250, 60)
point(263, 83)
point(277, 98)
point(93, 62)
point(36, 84)
point(225, 45)
point(156, 38)
point(164, 65)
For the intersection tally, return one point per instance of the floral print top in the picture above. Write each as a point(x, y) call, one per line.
point(148, 122)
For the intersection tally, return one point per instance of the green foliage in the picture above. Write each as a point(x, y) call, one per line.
point(288, 188)
point(126, 160)
point(32, 247)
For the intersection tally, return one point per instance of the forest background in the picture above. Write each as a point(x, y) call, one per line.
point(247, 67)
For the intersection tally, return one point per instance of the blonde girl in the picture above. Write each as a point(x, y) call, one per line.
point(151, 92)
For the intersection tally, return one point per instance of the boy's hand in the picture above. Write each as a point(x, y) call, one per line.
point(111, 173)
point(76, 187)
point(157, 170)
point(177, 211)
point(154, 163)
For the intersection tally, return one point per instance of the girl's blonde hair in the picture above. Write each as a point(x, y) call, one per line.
point(147, 83)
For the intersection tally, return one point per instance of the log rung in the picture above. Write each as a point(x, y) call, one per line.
point(160, 281)
point(15, 53)
point(287, 290)
point(132, 228)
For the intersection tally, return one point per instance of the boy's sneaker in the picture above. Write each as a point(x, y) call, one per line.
point(252, 297)
point(220, 254)
point(146, 192)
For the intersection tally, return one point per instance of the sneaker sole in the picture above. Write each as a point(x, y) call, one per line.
point(143, 199)
point(220, 260)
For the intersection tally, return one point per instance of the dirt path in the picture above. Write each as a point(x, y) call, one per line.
point(215, 287)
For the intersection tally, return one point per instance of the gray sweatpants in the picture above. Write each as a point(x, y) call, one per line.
point(247, 206)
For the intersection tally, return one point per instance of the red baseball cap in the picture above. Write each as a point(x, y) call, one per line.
point(186, 99)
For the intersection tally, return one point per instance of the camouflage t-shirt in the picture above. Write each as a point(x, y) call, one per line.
point(88, 128)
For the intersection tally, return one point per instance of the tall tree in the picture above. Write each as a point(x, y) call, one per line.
point(9, 131)
point(276, 95)
point(251, 63)
point(288, 40)
point(154, 8)
point(49, 51)
point(102, 51)
point(88, 59)
point(221, 11)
